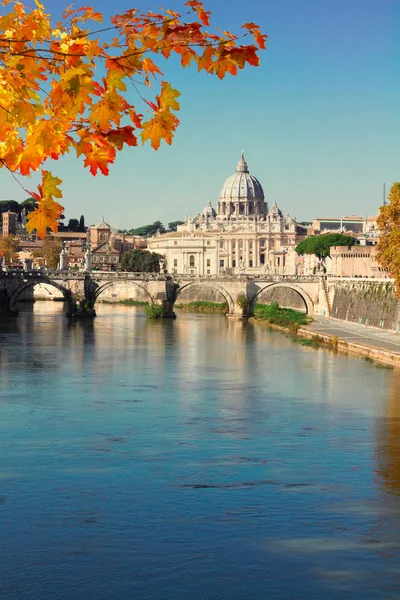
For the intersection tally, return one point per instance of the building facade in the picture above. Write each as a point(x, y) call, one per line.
point(243, 235)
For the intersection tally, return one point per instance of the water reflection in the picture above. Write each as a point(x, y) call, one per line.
point(388, 439)
point(192, 459)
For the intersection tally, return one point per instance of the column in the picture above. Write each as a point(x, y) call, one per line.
point(256, 252)
point(246, 260)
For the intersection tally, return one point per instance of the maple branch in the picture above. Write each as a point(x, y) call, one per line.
point(158, 49)
point(14, 176)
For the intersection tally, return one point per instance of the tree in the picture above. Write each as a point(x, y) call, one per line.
point(173, 226)
point(149, 230)
point(11, 205)
point(388, 248)
point(9, 248)
point(82, 227)
point(49, 252)
point(320, 245)
point(73, 225)
point(65, 88)
point(141, 261)
point(29, 205)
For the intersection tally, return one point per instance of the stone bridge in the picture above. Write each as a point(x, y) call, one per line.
point(240, 292)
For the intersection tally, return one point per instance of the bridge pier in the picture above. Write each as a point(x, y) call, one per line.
point(5, 309)
point(168, 311)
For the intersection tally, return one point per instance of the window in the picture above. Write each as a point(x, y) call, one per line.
point(101, 258)
point(221, 264)
point(250, 263)
point(175, 243)
point(262, 242)
point(175, 262)
point(191, 261)
point(233, 245)
point(241, 209)
point(234, 263)
point(208, 271)
point(115, 259)
point(221, 243)
point(208, 262)
point(94, 258)
point(262, 259)
point(103, 237)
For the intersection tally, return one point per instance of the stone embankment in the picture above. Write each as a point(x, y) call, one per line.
point(372, 303)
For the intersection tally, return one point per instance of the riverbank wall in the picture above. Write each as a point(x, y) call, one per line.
point(362, 350)
point(372, 303)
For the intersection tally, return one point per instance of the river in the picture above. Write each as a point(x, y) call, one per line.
point(192, 459)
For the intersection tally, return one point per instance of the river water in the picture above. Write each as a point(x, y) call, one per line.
point(191, 460)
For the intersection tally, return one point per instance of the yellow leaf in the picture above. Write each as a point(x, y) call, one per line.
point(114, 81)
point(49, 187)
point(103, 113)
point(168, 95)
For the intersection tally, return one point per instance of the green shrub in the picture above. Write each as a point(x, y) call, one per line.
point(284, 317)
point(209, 307)
point(154, 311)
point(130, 302)
point(243, 301)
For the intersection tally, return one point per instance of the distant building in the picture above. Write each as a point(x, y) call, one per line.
point(346, 225)
point(242, 236)
point(357, 261)
point(10, 220)
point(108, 246)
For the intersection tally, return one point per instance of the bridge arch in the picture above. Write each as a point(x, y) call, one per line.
point(105, 286)
point(209, 284)
point(309, 304)
point(17, 292)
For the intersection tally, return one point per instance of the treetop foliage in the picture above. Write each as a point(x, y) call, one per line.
point(9, 248)
point(388, 248)
point(63, 88)
point(141, 261)
point(320, 245)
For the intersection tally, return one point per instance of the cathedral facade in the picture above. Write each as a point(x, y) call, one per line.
point(243, 236)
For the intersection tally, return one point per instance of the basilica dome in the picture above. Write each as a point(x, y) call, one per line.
point(242, 194)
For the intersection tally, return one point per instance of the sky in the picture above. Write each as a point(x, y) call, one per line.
point(318, 120)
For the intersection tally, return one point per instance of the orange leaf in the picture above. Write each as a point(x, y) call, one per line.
point(150, 67)
point(99, 158)
point(30, 159)
point(121, 136)
point(161, 127)
point(45, 215)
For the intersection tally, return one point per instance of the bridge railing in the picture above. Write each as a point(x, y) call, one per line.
point(127, 275)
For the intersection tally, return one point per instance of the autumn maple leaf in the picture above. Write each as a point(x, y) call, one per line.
point(46, 215)
point(161, 127)
point(168, 95)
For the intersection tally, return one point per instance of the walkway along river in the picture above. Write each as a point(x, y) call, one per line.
point(198, 458)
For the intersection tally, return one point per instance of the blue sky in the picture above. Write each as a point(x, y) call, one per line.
point(318, 120)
